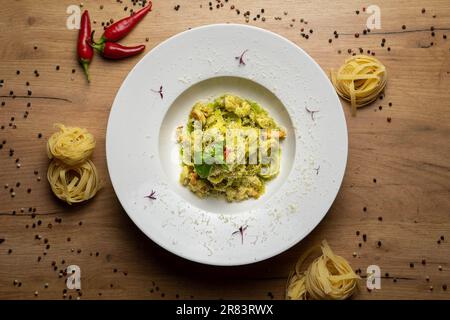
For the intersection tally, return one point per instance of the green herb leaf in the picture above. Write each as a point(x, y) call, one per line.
point(203, 170)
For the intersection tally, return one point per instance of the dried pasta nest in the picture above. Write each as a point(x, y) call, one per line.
point(360, 80)
point(328, 277)
point(71, 145)
point(73, 184)
point(72, 176)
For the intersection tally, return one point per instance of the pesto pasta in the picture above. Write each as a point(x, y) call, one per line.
point(230, 147)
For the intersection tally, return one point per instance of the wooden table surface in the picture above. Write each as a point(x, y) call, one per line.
point(396, 189)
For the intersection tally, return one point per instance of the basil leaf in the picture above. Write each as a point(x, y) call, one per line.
point(203, 170)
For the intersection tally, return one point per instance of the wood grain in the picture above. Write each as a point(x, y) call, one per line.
point(407, 208)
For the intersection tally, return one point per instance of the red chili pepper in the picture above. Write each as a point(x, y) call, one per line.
point(121, 28)
point(85, 51)
point(116, 51)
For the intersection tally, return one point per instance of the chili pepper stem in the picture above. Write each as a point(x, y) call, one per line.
point(101, 41)
point(97, 46)
point(85, 65)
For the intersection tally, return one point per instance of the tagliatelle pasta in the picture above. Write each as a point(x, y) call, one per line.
point(71, 145)
point(72, 176)
point(328, 277)
point(73, 183)
point(360, 80)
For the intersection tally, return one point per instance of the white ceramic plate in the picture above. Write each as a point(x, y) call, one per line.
point(199, 64)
